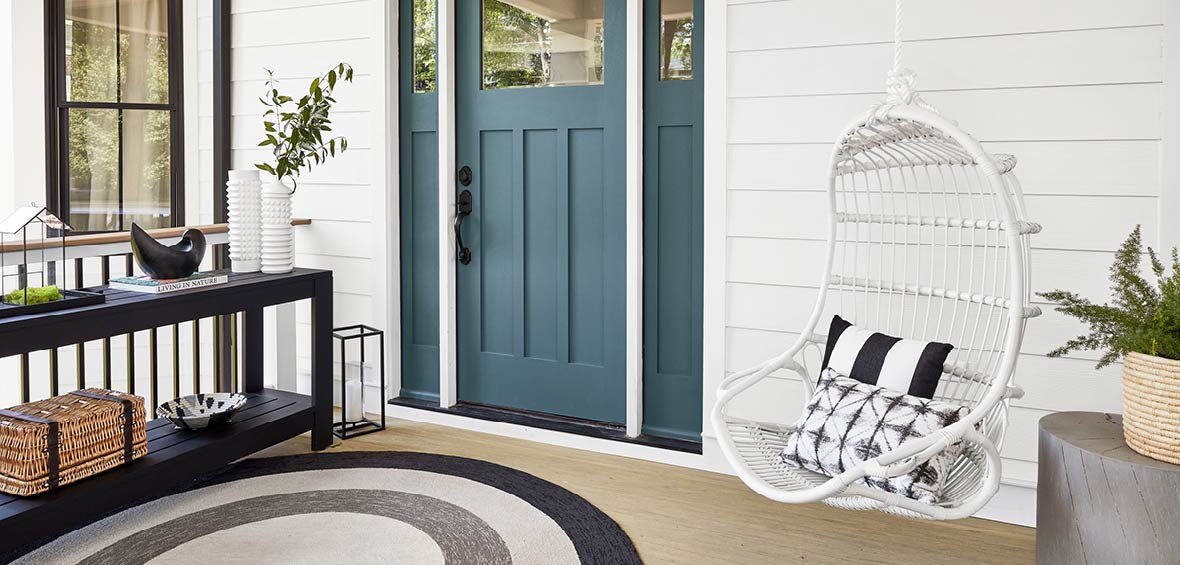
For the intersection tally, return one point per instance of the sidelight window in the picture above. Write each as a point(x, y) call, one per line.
point(676, 39)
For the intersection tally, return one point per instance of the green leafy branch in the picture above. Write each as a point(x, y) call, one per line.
point(296, 135)
point(1141, 317)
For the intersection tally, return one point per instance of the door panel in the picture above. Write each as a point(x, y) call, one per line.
point(541, 306)
point(673, 215)
point(419, 201)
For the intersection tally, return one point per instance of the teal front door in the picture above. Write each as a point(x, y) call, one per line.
point(540, 118)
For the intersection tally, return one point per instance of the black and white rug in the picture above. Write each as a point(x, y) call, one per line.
point(376, 507)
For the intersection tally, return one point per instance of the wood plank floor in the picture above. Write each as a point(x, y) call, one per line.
point(678, 515)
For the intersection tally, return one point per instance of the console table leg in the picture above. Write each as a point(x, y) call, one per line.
point(321, 364)
point(252, 350)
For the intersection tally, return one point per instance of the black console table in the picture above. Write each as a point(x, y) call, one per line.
point(176, 457)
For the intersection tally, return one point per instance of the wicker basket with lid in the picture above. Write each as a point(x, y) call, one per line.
point(60, 440)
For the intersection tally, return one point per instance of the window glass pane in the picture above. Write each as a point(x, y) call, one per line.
point(676, 39)
point(143, 51)
point(542, 43)
point(425, 55)
point(90, 51)
point(93, 161)
point(147, 172)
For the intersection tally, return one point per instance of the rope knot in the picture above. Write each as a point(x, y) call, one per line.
point(901, 87)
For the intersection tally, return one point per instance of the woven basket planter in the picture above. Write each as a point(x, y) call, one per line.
point(1151, 406)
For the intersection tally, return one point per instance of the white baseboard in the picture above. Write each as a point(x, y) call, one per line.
point(610, 447)
point(1012, 504)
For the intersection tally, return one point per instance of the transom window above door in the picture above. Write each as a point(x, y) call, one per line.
point(531, 43)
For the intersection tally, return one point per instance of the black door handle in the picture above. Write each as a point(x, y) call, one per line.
point(463, 209)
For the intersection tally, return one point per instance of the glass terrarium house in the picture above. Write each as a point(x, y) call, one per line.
point(32, 248)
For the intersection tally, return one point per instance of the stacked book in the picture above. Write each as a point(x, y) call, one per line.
point(159, 286)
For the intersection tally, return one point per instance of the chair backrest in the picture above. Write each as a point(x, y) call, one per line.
point(928, 241)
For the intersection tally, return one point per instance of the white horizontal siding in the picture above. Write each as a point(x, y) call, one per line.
point(1073, 88)
point(761, 24)
point(299, 40)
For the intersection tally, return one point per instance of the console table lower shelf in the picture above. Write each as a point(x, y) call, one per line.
point(175, 457)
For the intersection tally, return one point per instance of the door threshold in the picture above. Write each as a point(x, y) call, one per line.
point(576, 426)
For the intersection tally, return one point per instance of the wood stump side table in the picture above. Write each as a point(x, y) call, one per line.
point(1097, 500)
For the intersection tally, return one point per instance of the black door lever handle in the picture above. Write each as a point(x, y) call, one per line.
point(463, 209)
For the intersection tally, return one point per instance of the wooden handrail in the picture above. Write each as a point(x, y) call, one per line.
point(123, 237)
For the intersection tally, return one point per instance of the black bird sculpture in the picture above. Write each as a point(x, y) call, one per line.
point(168, 262)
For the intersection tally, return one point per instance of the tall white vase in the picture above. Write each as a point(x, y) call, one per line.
point(244, 196)
point(278, 245)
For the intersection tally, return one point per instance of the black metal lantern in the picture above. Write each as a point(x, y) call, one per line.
point(354, 422)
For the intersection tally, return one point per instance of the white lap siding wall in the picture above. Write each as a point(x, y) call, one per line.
point(1073, 88)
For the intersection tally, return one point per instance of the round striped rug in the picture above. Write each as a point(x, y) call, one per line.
point(355, 507)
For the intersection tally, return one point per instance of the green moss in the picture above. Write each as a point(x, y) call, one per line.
point(37, 295)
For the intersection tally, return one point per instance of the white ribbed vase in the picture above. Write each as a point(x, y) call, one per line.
point(278, 245)
point(244, 196)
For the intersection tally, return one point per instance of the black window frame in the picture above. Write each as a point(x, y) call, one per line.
point(57, 121)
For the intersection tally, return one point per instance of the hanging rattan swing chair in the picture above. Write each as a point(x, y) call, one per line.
point(927, 239)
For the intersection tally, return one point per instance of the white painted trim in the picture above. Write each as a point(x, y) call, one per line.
point(387, 255)
point(716, 159)
point(1169, 204)
point(634, 215)
point(447, 323)
point(191, 108)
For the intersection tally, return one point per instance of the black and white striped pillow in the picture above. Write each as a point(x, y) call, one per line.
point(904, 365)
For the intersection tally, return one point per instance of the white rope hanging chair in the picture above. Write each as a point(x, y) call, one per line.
point(927, 239)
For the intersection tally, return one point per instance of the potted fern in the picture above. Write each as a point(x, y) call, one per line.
point(300, 139)
point(1141, 325)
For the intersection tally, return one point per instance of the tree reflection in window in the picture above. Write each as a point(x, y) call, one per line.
point(541, 44)
point(676, 18)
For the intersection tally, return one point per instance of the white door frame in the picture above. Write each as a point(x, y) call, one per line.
point(448, 325)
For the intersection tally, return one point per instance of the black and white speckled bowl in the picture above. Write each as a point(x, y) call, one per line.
point(200, 411)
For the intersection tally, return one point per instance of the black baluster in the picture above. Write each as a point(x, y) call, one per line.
point(128, 268)
point(176, 360)
point(154, 365)
point(53, 378)
point(25, 393)
point(52, 268)
point(80, 349)
point(196, 357)
point(106, 341)
point(217, 353)
point(233, 344)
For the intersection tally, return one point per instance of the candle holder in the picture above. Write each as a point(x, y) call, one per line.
point(354, 422)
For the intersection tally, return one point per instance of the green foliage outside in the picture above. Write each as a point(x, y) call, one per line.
point(425, 51)
point(1143, 318)
point(296, 135)
point(676, 49)
point(36, 295)
point(506, 25)
point(516, 46)
point(96, 72)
